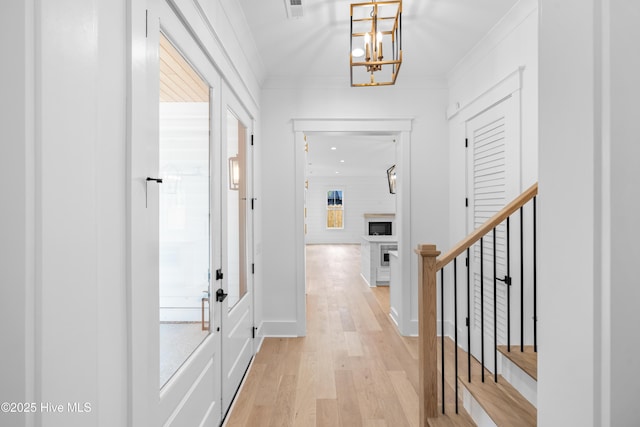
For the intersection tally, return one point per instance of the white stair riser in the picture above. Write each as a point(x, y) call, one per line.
point(475, 410)
point(519, 379)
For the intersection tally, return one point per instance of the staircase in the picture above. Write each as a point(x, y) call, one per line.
point(497, 385)
point(496, 403)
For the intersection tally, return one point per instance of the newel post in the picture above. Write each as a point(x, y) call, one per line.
point(427, 332)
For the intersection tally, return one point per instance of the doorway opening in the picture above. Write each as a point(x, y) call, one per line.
point(398, 129)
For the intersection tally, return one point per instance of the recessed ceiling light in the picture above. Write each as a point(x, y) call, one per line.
point(334, 148)
point(337, 172)
point(341, 161)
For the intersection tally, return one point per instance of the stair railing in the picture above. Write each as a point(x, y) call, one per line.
point(429, 264)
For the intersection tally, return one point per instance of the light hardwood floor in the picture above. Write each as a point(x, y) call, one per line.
point(352, 368)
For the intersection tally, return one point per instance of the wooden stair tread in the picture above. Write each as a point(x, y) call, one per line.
point(449, 418)
point(501, 401)
point(526, 360)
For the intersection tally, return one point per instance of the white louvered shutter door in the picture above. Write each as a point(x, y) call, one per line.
point(493, 177)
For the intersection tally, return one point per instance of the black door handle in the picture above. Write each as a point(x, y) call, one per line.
point(220, 295)
point(506, 280)
point(146, 189)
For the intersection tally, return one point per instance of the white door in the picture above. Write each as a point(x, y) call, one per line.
point(176, 343)
point(236, 286)
point(493, 180)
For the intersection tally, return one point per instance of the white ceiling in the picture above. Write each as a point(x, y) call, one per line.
point(437, 34)
point(363, 155)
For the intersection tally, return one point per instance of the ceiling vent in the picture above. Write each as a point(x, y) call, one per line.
point(294, 8)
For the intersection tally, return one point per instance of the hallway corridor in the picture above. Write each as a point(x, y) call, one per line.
point(352, 368)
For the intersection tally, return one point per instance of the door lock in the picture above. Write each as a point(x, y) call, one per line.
point(220, 295)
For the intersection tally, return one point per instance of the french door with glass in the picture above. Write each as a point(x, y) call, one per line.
point(191, 232)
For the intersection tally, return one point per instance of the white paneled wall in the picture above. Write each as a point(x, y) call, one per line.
point(362, 194)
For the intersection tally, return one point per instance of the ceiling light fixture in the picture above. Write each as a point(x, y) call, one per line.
point(334, 148)
point(376, 27)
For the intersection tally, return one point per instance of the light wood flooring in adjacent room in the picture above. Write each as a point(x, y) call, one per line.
point(352, 368)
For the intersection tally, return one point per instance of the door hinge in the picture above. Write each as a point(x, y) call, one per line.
point(253, 332)
point(146, 23)
point(466, 142)
point(209, 275)
point(466, 202)
point(253, 268)
point(466, 321)
point(253, 199)
point(219, 274)
point(252, 140)
point(466, 262)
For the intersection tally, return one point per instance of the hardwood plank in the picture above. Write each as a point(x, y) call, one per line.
point(407, 396)
point(283, 410)
point(326, 384)
point(260, 416)
point(526, 360)
point(354, 346)
point(348, 408)
point(242, 407)
point(381, 294)
point(327, 413)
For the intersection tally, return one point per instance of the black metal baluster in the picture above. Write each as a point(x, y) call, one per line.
point(521, 279)
point(508, 283)
point(455, 322)
point(468, 314)
point(495, 311)
point(442, 330)
point(482, 306)
point(535, 281)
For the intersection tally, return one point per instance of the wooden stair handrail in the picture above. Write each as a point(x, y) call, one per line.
point(491, 223)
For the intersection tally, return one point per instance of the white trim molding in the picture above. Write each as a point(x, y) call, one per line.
point(511, 83)
point(401, 127)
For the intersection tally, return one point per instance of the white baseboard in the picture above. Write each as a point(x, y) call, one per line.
point(395, 317)
point(282, 328)
point(366, 281)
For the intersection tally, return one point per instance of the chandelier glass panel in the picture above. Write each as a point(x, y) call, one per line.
point(376, 42)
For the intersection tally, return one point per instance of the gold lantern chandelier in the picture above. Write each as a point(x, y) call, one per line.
point(376, 42)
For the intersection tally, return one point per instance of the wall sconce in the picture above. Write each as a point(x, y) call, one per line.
point(234, 173)
point(391, 177)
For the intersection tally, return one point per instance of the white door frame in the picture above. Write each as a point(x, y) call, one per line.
point(400, 127)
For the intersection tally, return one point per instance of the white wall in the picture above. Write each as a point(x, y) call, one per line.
point(588, 99)
point(362, 195)
point(17, 213)
point(620, 292)
point(429, 164)
point(474, 84)
point(511, 44)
